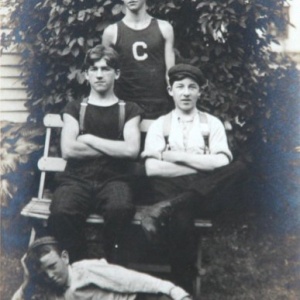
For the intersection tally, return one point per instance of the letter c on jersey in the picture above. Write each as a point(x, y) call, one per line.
point(135, 52)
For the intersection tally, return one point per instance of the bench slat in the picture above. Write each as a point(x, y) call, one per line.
point(52, 164)
point(39, 208)
point(53, 120)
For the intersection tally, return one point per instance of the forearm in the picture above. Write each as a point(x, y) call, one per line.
point(204, 162)
point(79, 150)
point(155, 167)
point(122, 280)
point(120, 149)
point(19, 294)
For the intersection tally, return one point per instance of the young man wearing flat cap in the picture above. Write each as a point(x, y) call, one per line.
point(186, 152)
point(48, 276)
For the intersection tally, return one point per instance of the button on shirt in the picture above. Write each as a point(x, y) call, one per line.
point(186, 135)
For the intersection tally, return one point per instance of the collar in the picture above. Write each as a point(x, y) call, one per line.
point(188, 118)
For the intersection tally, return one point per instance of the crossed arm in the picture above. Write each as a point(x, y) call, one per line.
point(78, 146)
point(177, 163)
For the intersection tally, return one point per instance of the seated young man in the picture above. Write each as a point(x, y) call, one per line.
point(48, 275)
point(187, 160)
point(99, 137)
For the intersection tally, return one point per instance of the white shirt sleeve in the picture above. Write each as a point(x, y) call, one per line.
point(19, 294)
point(155, 140)
point(121, 280)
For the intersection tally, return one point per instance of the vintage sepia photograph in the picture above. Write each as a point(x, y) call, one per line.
point(150, 149)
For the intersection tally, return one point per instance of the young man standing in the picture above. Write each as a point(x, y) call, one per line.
point(48, 275)
point(186, 156)
point(100, 136)
point(145, 45)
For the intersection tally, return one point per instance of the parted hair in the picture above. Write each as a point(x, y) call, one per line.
point(97, 53)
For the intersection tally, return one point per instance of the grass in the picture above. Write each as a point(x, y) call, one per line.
point(250, 253)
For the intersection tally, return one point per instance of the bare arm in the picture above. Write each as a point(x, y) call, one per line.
point(168, 34)
point(156, 167)
point(129, 148)
point(155, 144)
point(19, 294)
point(109, 36)
point(205, 162)
point(71, 146)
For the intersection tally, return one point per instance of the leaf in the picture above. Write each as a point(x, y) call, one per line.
point(71, 19)
point(80, 41)
point(90, 42)
point(81, 15)
point(67, 38)
point(66, 51)
point(117, 9)
point(75, 52)
point(71, 44)
point(202, 4)
point(204, 58)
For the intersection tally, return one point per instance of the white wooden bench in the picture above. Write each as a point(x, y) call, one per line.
point(38, 207)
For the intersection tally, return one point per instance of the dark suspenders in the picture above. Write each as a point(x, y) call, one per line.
point(121, 121)
point(82, 111)
point(204, 129)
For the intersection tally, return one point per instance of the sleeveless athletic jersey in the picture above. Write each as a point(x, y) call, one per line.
point(143, 67)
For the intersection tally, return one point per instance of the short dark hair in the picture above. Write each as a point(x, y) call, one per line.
point(37, 250)
point(98, 52)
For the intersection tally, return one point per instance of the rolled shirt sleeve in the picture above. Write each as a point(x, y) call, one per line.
point(155, 140)
point(121, 280)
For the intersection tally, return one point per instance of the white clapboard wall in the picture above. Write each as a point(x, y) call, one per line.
point(12, 92)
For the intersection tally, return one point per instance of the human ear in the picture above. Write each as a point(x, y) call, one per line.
point(118, 73)
point(169, 88)
point(86, 75)
point(65, 256)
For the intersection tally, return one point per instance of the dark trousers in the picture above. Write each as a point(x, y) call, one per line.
point(76, 198)
point(199, 195)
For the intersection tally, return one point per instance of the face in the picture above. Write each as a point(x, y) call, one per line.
point(101, 76)
point(134, 5)
point(55, 267)
point(185, 93)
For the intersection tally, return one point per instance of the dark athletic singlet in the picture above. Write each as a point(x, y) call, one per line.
point(143, 66)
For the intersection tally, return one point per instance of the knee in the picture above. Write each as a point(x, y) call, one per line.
point(121, 212)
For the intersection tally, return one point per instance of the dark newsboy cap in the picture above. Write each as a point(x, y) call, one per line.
point(186, 70)
point(47, 240)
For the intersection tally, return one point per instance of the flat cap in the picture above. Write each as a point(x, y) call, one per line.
point(47, 240)
point(188, 71)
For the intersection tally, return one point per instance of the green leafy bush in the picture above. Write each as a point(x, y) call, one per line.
point(228, 39)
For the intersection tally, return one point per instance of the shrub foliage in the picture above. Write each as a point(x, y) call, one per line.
point(228, 39)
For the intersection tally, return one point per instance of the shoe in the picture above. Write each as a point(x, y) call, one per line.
point(155, 217)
